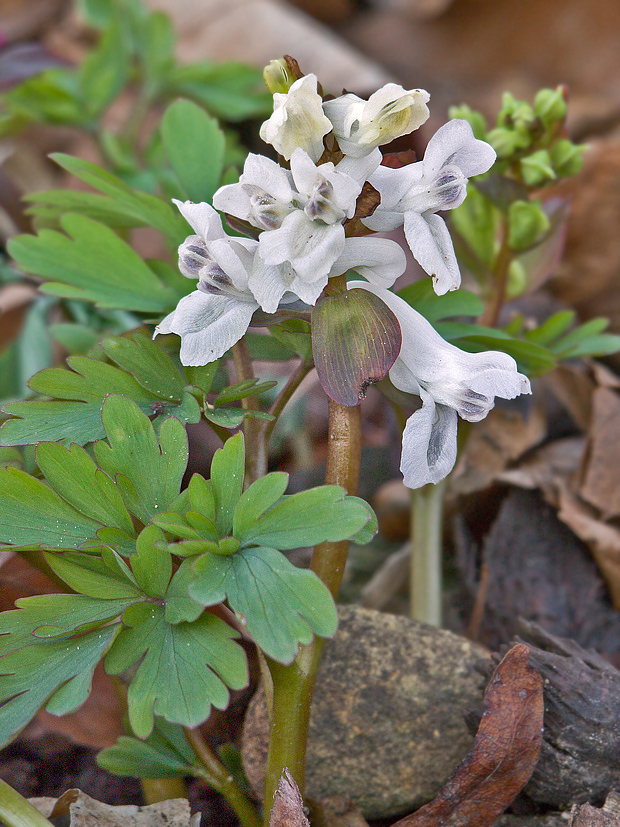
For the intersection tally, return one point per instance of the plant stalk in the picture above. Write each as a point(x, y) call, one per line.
point(16, 811)
point(217, 776)
point(255, 447)
point(501, 271)
point(293, 685)
point(426, 553)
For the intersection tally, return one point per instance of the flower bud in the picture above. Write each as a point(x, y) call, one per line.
point(475, 119)
point(517, 280)
point(515, 113)
point(528, 222)
point(537, 169)
point(507, 141)
point(279, 75)
point(567, 158)
point(550, 106)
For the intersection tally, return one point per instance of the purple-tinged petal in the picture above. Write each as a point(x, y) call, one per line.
point(429, 444)
point(208, 324)
point(454, 145)
point(431, 245)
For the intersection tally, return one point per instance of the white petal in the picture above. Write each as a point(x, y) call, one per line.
point(379, 260)
point(269, 283)
point(431, 245)
point(360, 168)
point(338, 190)
point(234, 256)
point(393, 185)
point(454, 144)
point(343, 111)
point(297, 120)
point(310, 246)
point(203, 218)
point(208, 325)
point(429, 444)
point(467, 382)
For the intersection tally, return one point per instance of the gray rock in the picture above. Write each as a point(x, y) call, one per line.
point(387, 723)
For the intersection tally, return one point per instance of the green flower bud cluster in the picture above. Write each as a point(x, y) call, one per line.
point(530, 140)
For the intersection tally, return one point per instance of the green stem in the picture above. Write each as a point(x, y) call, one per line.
point(501, 271)
point(217, 776)
point(426, 553)
point(255, 447)
point(16, 811)
point(293, 685)
point(294, 381)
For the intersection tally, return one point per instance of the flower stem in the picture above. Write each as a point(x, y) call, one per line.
point(217, 776)
point(16, 811)
point(501, 271)
point(294, 381)
point(426, 553)
point(255, 449)
point(293, 685)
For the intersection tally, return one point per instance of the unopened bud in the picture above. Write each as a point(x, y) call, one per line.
point(528, 223)
point(517, 280)
point(567, 158)
point(515, 113)
point(279, 75)
point(507, 141)
point(550, 106)
point(537, 169)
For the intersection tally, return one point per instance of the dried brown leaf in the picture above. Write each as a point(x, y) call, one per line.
point(288, 805)
point(498, 440)
point(601, 479)
point(86, 811)
point(550, 468)
point(504, 753)
point(602, 539)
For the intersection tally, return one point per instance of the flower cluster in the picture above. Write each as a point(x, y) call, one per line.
point(310, 219)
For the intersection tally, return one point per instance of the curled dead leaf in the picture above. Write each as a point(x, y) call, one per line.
point(504, 753)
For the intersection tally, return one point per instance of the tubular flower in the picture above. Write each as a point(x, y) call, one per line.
point(297, 120)
point(361, 125)
point(301, 214)
point(450, 383)
point(413, 194)
point(216, 315)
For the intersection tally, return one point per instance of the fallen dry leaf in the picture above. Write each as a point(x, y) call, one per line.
point(85, 811)
point(498, 440)
point(550, 468)
point(601, 479)
point(288, 805)
point(603, 539)
point(504, 753)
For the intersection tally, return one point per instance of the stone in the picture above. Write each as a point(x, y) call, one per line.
point(387, 726)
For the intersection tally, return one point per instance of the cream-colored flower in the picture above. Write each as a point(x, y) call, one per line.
point(297, 120)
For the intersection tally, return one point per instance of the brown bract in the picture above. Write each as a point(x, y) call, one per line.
point(288, 805)
point(503, 755)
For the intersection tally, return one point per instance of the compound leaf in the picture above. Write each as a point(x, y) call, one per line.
point(93, 264)
point(309, 517)
point(63, 670)
point(283, 605)
point(184, 670)
point(149, 475)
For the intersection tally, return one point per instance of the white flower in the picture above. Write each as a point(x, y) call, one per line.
point(450, 382)
point(361, 125)
point(413, 194)
point(301, 215)
point(215, 316)
point(297, 120)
